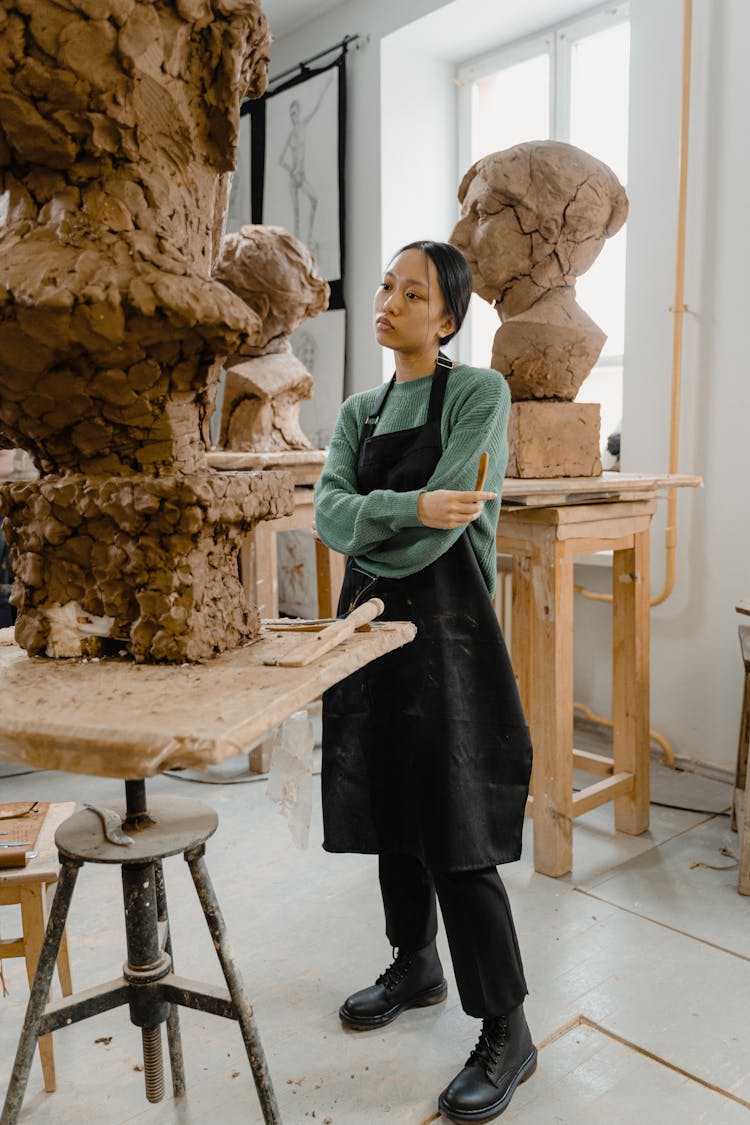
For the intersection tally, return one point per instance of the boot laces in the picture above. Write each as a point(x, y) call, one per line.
point(490, 1044)
point(395, 972)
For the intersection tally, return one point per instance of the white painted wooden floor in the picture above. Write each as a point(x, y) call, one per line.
point(638, 965)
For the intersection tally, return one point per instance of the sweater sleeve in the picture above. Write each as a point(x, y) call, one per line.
point(345, 520)
point(477, 423)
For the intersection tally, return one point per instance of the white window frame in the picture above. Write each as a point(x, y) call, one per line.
point(556, 42)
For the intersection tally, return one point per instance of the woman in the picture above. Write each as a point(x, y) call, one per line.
point(426, 755)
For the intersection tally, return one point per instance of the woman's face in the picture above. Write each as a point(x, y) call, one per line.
point(409, 309)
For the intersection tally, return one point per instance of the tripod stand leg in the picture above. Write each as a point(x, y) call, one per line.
point(174, 1040)
point(250, 1035)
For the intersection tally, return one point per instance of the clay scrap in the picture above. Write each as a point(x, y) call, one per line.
point(534, 218)
point(277, 277)
point(118, 132)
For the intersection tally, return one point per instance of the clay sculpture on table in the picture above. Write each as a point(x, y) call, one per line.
point(534, 218)
point(277, 277)
point(118, 131)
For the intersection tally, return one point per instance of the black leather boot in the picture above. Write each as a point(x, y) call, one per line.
point(502, 1059)
point(414, 980)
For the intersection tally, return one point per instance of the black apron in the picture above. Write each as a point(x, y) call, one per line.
point(426, 750)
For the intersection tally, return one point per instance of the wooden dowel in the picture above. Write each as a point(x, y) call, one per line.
point(328, 638)
point(484, 464)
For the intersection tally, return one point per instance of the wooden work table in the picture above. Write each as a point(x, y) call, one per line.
point(119, 719)
point(543, 526)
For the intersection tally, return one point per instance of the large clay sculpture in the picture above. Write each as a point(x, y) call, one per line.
point(534, 218)
point(275, 274)
point(118, 131)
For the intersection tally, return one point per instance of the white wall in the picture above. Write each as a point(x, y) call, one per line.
point(365, 243)
point(696, 670)
point(695, 658)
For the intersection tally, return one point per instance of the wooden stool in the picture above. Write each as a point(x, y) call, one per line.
point(741, 808)
point(543, 543)
point(31, 887)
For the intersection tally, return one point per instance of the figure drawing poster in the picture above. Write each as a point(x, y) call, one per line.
point(297, 182)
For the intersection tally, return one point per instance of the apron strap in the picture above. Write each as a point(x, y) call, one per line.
point(437, 391)
point(437, 394)
point(374, 416)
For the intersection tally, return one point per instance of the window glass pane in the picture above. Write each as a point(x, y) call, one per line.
point(484, 324)
point(604, 385)
point(599, 96)
point(511, 106)
point(601, 292)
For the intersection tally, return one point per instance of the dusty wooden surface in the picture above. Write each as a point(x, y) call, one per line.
point(304, 465)
point(117, 719)
point(576, 490)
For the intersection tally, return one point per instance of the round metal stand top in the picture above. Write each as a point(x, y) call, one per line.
point(175, 825)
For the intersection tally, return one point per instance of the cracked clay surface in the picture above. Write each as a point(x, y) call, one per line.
point(118, 129)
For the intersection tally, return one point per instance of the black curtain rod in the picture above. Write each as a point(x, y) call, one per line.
point(345, 43)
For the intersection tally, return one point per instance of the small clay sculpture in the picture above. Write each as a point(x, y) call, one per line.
point(275, 274)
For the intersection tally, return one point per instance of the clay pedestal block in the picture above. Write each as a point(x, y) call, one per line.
point(146, 564)
point(554, 439)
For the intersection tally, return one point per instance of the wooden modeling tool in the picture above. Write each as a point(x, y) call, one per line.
point(484, 464)
point(313, 647)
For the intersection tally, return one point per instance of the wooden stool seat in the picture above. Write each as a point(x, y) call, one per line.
point(741, 809)
point(31, 887)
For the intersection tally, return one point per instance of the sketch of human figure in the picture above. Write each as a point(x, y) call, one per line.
point(292, 160)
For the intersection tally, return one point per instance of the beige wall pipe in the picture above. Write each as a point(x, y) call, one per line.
point(678, 309)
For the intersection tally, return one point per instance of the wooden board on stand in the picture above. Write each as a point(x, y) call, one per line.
point(118, 719)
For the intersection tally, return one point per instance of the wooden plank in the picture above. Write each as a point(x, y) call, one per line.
point(602, 791)
point(266, 559)
point(630, 681)
point(120, 719)
point(742, 809)
point(551, 707)
point(592, 763)
point(577, 547)
point(564, 515)
point(303, 465)
point(520, 628)
point(604, 532)
point(566, 490)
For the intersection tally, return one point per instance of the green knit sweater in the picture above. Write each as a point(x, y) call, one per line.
point(382, 530)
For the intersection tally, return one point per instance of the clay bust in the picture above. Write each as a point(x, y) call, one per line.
point(535, 217)
point(277, 277)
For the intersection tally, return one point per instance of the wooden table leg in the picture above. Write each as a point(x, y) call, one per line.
point(630, 680)
point(551, 710)
point(266, 561)
point(520, 618)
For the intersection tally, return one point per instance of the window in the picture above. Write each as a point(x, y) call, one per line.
point(569, 83)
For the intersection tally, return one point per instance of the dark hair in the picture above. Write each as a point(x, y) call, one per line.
point(454, 277)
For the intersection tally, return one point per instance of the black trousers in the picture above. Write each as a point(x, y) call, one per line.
point(478, 923)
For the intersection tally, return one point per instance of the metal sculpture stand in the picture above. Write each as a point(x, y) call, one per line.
point(138, 838)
